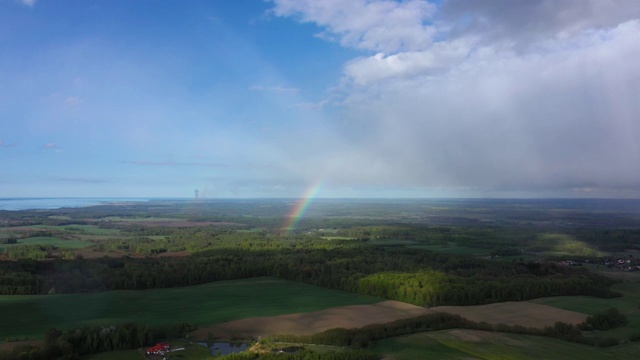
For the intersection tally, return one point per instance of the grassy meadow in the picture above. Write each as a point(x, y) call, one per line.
point(117, 355)
point(48, 240)
point(472, 344)
point(30, 316)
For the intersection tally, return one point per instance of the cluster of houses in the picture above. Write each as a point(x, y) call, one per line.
point(158, 349)
point(622, 264)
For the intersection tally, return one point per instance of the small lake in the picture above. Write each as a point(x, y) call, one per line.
point(225, 348)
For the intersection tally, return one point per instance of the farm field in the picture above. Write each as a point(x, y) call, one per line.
point(523, 313)
point(481, 345)
point(47, 240)
point(31, 316)
point(510, 313)
point(117, 355)
point(628, 304)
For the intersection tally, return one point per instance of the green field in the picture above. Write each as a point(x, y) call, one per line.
point(117, 355)
point(53, 241)
point(628, 304)
point(89, 230)
point(203, 304)
point(451, 249)
point(471, 344)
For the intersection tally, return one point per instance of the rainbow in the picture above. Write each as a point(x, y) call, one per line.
point(298, 210)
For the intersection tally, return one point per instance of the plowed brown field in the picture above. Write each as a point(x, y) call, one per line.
point(511, 313)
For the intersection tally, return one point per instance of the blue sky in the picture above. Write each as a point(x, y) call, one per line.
point(370, 98)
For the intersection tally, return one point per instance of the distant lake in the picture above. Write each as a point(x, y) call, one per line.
point(225, 348)
point(56, 203)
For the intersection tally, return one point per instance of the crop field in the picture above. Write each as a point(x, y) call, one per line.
point(628, 304)
point(75, 229)
point(30, 316)
point(510, 313)
point(354, 316)
point(117, 355)
point(473, 344)
point(513, 313)
point(53, 241)
point(90, 230)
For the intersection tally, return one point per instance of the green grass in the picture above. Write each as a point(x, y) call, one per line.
point(457, 250)
point(562, 245)
point(336, 238)
point(468, 344)
point(117, 355)
point(53, 241)
point(139, 219)
point(91, 230)
point(391, 242)
point(202, 304)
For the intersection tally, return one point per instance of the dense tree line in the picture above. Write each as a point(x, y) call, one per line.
point(610, 319)
point(416, 276)
point(75, 343)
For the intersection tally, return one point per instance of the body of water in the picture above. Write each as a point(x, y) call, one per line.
point(56, 203)
point(225, 348)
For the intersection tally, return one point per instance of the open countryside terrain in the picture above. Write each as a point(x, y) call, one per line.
point(400, 251)
point(30, 316)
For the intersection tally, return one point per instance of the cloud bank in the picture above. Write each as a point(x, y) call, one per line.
point(511, 96)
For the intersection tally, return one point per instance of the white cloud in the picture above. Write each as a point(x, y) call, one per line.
point(561, 119)
point(487, 106)
point(378, 25)
point(441, 57)
point(29, 3)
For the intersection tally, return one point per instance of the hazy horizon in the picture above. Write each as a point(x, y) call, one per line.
point(382, 99)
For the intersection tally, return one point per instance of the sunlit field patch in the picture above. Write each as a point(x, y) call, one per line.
point(202, 304)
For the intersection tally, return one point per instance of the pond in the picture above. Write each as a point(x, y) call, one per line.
point(225, 348)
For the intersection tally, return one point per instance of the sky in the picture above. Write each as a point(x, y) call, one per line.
point(343, 99)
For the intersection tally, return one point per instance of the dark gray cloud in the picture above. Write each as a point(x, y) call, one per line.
point(528, 21)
